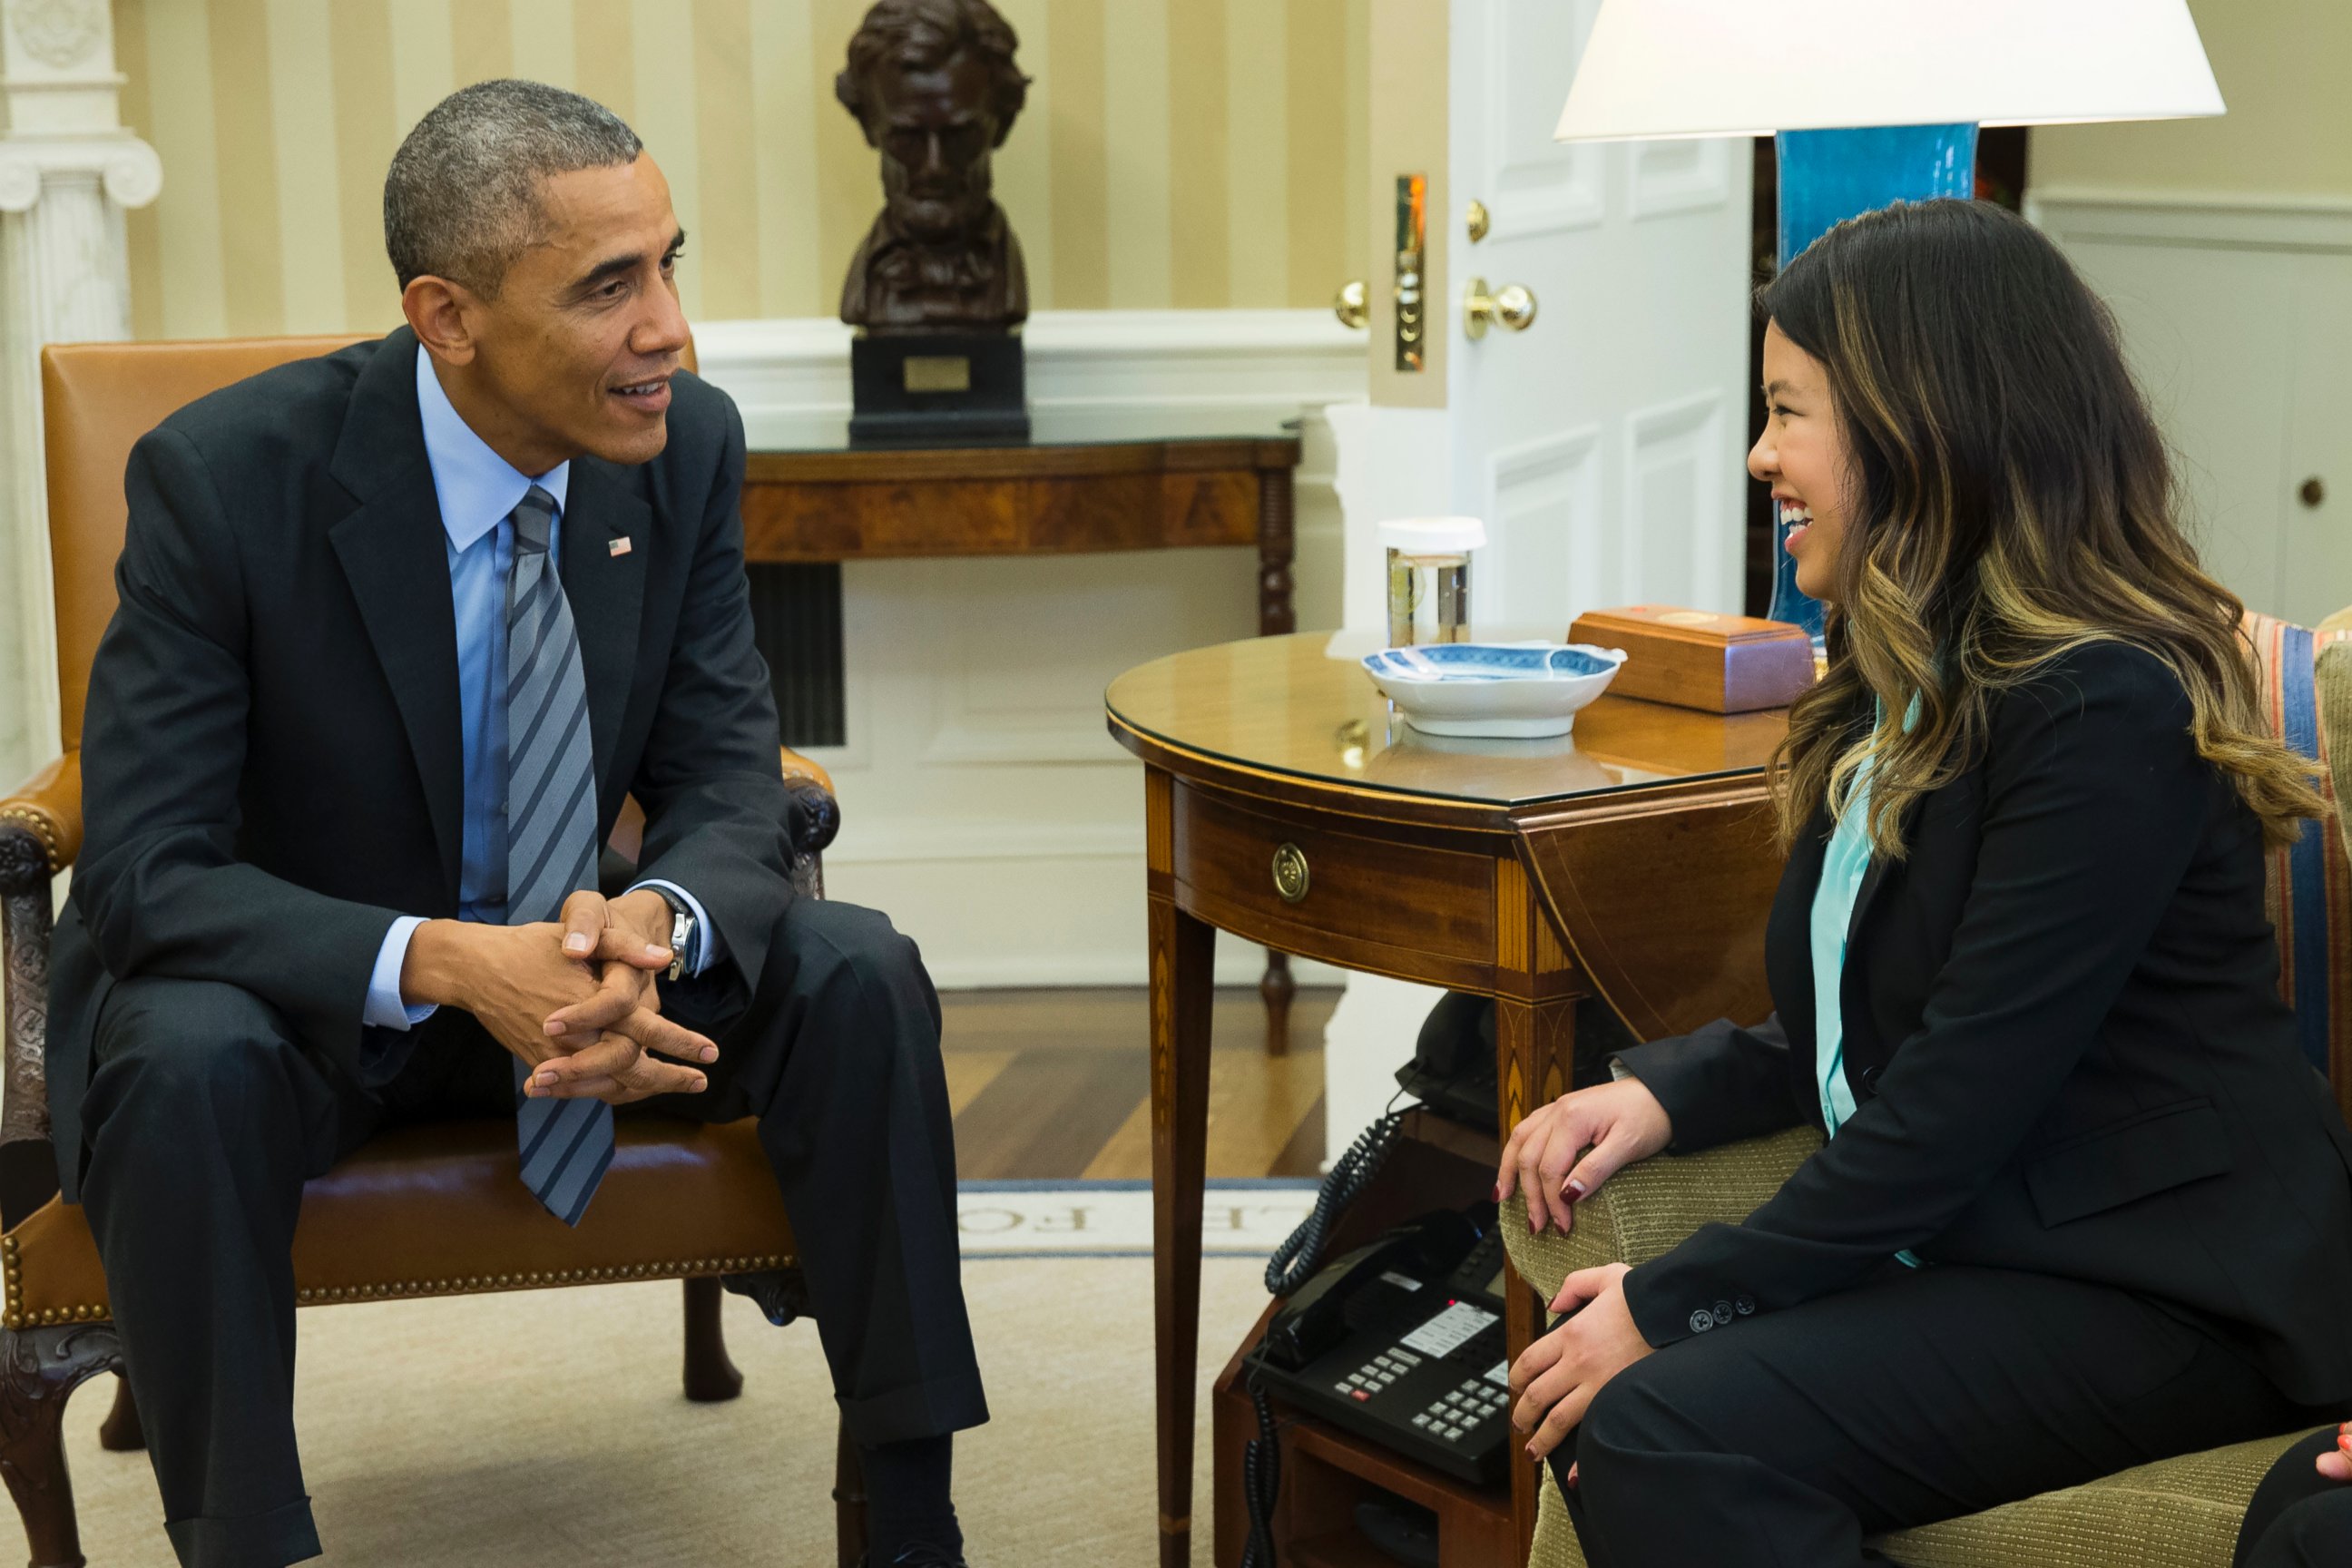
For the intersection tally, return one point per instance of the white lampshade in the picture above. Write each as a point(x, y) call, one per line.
point(1658, 69)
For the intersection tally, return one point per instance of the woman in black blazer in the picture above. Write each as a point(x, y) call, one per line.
point(2084, 1204)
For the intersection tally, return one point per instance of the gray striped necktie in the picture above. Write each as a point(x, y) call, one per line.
point(550, 835)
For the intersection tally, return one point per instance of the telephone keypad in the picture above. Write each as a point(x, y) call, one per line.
point(1463, 1410)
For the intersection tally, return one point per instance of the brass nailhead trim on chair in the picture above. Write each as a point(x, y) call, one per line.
point(15, 1316)
point(474, 1283)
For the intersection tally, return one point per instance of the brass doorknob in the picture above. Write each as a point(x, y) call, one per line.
point(1352, 305)
point(1510, 306)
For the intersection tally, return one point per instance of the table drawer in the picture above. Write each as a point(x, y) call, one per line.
point(1432, 902)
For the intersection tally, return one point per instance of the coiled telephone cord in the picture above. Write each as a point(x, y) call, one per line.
point(1295, 1262)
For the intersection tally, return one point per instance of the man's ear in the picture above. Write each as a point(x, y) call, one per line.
point(439, 313)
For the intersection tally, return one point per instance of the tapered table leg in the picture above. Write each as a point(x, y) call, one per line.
point(1182, 949)
point(1534, 1062)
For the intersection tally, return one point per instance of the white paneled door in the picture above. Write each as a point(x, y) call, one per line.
point(1603, 443)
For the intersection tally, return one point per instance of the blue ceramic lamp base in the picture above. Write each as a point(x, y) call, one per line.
point(1826, 177)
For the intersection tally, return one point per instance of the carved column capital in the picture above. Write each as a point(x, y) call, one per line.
point(62, 35)
point(129, 169)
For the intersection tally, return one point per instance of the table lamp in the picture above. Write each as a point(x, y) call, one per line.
point(1875, 101)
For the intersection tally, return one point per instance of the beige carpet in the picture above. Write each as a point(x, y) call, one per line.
point(548, 1428)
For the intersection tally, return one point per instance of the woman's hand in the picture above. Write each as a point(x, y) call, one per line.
point(1611, 1125)
point(1553, 1383)
point(2338, 1466)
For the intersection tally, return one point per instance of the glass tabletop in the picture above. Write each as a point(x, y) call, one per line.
point(1303, 705)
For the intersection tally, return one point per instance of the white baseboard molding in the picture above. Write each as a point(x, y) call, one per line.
point(939, 840)
point(1240, 966)
point(2216, 219)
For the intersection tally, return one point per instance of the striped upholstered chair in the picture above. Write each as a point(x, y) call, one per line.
point(2177, 1513)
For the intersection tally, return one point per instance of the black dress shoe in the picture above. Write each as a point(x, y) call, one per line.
point(920, 1556)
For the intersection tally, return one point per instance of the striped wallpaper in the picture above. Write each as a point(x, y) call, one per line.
point(1184, 153)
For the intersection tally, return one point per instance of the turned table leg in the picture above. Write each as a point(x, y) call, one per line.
point(1277, 615)
point(1277, 987)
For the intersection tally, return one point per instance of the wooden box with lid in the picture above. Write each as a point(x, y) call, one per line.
point(1696, 658)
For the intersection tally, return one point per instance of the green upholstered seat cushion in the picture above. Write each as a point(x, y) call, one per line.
point(2176, 1513)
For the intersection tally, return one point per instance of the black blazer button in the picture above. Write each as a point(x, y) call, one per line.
point(1870, 1080)
point(1743, 1305)
point(1723, 1311)
point(1702, 1320)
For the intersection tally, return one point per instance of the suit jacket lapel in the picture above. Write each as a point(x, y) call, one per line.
point(1854, 1014)
point(1874, 879)
point(394, 552)
point(1802, 877)
point(607, 592)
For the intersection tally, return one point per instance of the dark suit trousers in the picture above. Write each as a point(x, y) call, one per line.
point(205, 1115)
point(2298, 1518)
point(1786, 1438)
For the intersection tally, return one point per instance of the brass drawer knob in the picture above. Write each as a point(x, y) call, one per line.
point(1290, 873)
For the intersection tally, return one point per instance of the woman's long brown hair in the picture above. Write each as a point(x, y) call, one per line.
point(2012, 499)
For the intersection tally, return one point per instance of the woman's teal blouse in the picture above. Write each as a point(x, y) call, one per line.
point(1844, 866)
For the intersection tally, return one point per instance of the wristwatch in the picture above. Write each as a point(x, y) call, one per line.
point(681, 932)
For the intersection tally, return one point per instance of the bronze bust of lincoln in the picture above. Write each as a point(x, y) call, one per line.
point(933, 85)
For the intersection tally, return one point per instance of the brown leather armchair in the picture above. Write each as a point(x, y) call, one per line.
point(423, 1211)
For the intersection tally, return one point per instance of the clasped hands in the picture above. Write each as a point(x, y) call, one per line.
point(575, 999)
point(1557, 1155)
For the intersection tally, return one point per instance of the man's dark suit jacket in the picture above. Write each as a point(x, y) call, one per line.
point(271, 757)
point(2066, 1044)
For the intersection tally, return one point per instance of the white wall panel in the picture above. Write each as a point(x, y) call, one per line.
point(2236, 316)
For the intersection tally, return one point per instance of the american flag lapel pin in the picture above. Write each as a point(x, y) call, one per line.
point(618, 547)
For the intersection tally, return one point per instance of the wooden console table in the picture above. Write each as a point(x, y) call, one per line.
point(1632, 862)
point(872, 504)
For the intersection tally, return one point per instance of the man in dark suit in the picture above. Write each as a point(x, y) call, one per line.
point(399, 628)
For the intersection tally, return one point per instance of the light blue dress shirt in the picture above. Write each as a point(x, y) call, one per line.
point(478, 490)
point(1844, 866)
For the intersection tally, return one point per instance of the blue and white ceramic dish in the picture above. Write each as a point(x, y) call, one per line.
point(1512, 690)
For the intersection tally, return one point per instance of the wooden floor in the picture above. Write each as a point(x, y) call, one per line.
point(1057, 1084)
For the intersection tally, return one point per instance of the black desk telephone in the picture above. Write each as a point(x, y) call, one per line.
point(1402, 1341)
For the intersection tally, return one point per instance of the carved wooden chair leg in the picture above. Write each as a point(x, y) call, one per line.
point(710, 1377)
point(848, 1504)
point(40, 1368)
point(121, 1432)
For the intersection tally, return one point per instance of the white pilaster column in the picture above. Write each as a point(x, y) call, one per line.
point(69, 170)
